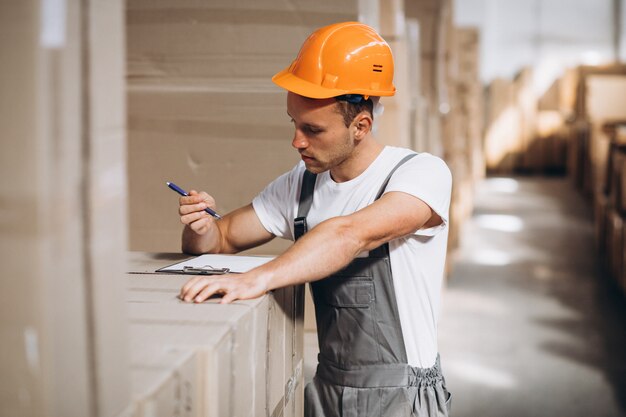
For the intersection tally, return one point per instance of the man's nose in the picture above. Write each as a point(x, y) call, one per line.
point(299, 141)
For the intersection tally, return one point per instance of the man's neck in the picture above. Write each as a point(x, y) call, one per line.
point(362, 157)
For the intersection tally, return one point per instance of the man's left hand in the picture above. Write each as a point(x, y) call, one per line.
point(231, 286)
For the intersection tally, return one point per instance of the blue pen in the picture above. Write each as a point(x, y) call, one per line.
point(184, 193)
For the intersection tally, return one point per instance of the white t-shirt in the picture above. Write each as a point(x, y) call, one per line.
point(417, 260)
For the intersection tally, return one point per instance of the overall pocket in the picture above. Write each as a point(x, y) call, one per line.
point(345, 312)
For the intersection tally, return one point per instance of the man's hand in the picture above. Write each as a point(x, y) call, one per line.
point(192, 212)
point(231, 286)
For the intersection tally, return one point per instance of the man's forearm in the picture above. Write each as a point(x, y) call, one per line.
point(324, 250)
point(334, 243)
point(236, 231)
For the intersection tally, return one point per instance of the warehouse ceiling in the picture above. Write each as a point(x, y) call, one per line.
point(546, 34)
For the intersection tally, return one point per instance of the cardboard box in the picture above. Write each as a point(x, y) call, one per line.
point(202, 108)
point(285, 349)
point(605, 97)
point(577, 152)
point(549, 101)
point(561, 95)
point(33, 238)
point(615, 247)
point(582, 75)
point(65, 328)
point(501, 141)
point(600, 210)
point(153, 299)
point(213, 358)
point(526, 101)
point(471, 97)
point(198, 39)
point(168, 384)
point(105, 180)
point(435, 34)
point(198, 140)
point(621, 279)
point(599, 145)
point(547, 153)
point(619, 192)
point(266, 335)
point(614, 190)
point(394, 125)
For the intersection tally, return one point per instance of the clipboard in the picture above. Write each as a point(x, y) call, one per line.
point(215, 265)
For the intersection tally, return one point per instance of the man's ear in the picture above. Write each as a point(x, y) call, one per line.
point(362, 124)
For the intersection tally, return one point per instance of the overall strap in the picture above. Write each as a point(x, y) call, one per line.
point(306, 200)
point(383, 250)
point(398, 165)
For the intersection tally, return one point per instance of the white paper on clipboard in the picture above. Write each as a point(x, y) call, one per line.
point(216, 264)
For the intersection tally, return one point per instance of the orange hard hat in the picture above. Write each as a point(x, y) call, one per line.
point(343, 58)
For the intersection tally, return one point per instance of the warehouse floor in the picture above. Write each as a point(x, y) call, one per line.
point(529, 327)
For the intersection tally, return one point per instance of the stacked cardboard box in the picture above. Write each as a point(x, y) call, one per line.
point(431, 68)
point(596, 158)
point(394, 127)
point(605, 100)
point(63, 209)
point(546, 151)
point(209, 359)
point(203, 111)
point(587, 100)
point(471, 97)
point(611, 206)
point(561, 134)
point(463, 127)
point(449, 80)
point(533, 134)
point(503, 124)
point(526, 104)
point(511, 124)
point(584, 111)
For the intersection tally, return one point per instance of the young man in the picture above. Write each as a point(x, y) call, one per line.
point(370, 229)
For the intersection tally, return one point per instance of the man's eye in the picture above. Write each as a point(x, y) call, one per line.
point(314, 130)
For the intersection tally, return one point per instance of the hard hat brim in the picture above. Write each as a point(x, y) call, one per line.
point(290, 82)
point(285, 79)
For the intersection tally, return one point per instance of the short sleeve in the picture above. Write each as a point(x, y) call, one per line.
point(275, 205)
point(428, 178)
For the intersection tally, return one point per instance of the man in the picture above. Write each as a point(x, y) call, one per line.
point(370, 229)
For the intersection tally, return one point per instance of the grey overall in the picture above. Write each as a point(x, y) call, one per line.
point(363, 368)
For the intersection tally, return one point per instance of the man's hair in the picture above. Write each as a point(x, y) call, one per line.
point(350, 110)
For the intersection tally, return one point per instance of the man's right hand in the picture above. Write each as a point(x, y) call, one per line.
point(236, 231)
point(192, 212)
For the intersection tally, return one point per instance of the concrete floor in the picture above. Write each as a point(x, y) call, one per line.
point(530, 327)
